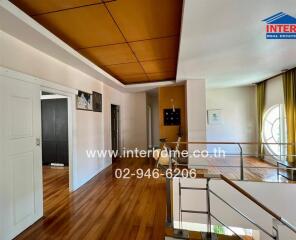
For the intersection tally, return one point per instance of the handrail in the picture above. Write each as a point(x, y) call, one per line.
point(240, 213)
point(288, 225)
point(275, 216)
point(250, 197)
point(244, 193)
point(240, 146)
point(236, 166)
point(258, 203)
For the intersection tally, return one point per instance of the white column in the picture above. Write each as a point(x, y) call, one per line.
point(196, 117)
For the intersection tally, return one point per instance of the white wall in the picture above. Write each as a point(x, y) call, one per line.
point(196, 117)
point(152, 101)
point(2, 162)
point(92, 129)
point(239, 121)
point(134, 121)
point(239, 113)
point(281, 203)
point(89, 125)
point(196, 109)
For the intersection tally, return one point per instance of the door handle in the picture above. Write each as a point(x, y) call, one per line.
point(38, 142)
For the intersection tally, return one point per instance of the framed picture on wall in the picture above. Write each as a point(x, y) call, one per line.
point(172, 117)
point(215, 116)
point(97, 102)
point(84, 101)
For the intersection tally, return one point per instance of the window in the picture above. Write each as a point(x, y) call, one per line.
point(275, 130)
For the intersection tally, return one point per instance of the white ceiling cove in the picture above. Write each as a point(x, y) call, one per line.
point(223, 41)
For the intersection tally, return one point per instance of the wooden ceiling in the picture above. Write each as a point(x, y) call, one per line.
point(136, 41)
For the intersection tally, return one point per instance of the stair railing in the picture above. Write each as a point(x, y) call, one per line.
point(240, 147)
point(277, 220)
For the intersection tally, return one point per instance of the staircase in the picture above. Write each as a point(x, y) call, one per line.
point(172, 234)
point(216, 224)
point(221, 231)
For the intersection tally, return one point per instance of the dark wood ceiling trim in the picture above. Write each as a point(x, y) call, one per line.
point(130, 75)
point(150, 81)
point(147, 39)
point(159, 59)
point(65, 9)
point(153, 60)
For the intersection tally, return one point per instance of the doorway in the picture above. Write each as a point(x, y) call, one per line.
point(54, 121)
point(55, 147)
point(115, 128)
point(21, 152)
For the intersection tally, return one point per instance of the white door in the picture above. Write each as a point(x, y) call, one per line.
point(22, 198)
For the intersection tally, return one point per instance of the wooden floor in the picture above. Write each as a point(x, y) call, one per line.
point(110, 208)
point(254, 169)
point(104, 208)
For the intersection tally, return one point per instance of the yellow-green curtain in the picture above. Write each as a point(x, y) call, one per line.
point(260, 112)
point(289, 84)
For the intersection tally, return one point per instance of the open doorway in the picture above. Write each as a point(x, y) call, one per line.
point(115, 128)
point(55, 147)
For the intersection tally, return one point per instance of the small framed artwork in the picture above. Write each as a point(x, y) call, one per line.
point(84, 101)
point(172, 117)
point(97, 102)
point(215, 117)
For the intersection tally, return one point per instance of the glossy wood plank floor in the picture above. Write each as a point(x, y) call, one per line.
point(254, 169)
point(110, 208)
point(104, 208)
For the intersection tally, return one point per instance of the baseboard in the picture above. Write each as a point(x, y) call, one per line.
point(87, 179)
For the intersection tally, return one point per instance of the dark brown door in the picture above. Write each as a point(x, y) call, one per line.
point(115, 127)
point(54, 114)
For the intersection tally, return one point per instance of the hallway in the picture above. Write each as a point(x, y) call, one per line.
point(111, 208)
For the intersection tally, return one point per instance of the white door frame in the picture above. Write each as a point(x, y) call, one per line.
point(70, 128)
point(71, 96)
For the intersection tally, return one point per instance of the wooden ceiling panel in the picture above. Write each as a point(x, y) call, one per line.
point(34, 7)
point(111, 54)
point(121, 70)
point(156, 66)
point(131, 79)
point(156, 48)
point(83, 27)
point(146, 19)
point(133, 40)
point(162, 76)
